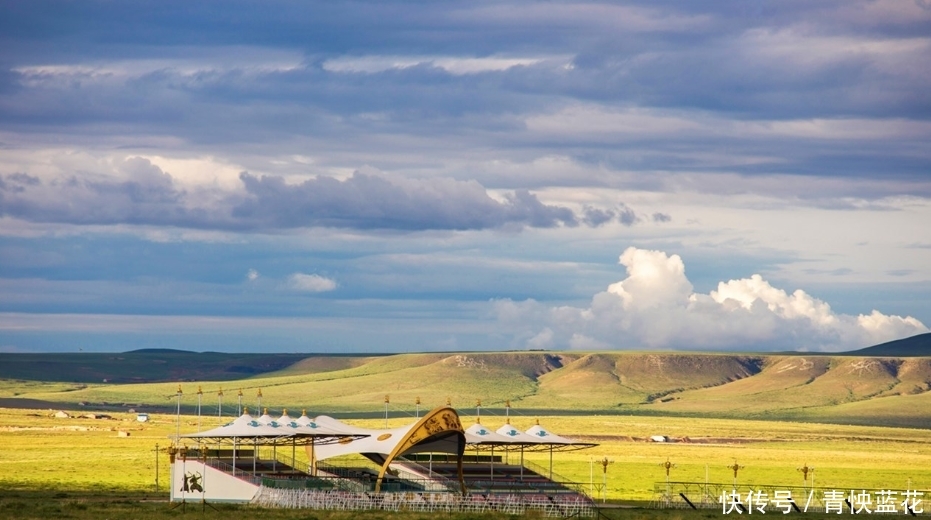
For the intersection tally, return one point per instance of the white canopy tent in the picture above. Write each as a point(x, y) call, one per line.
point(266, 431)
point(437, 432)
point(546, 439)
point(508, 437)
point(478, 437)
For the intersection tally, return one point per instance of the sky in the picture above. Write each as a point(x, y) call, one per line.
point(367, 177)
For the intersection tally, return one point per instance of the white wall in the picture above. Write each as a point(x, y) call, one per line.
point(217, 486)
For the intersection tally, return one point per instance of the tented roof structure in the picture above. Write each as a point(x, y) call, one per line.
point(518, 437)
point(536, 438)
point(271, 432)
point(555, 442)
point(478, 435)
point(437, 432)
point(303, 419)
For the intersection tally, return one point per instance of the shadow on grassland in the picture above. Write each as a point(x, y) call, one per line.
point(38, 504)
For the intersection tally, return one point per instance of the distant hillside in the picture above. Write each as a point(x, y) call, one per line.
point(140, 366)
point(829, 388)
point(915, 346)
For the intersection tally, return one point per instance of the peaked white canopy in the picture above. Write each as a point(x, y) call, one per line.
point(518, 437)
point(479, 435)
point(555, 442)
point(270, 431)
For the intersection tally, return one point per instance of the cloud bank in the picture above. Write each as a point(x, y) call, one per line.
point(656, 307)
point(141, 193)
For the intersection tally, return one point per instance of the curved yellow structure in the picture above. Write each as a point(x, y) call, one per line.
point(440, 424)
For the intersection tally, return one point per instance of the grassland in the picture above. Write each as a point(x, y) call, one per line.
point(770, 413)
point(87, 455)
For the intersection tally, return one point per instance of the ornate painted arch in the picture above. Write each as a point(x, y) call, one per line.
point(437, 424)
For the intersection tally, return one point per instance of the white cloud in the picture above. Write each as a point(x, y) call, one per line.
point(543, 340)
point(190, 61)
point(656, 307)
point(451, 64)
point(599, 122)
point(311, 283)
point(252, 275)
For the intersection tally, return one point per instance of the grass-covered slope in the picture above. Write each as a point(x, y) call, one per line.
point(843, 388)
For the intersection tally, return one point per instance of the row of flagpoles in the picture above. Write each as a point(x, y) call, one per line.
point(200, 394)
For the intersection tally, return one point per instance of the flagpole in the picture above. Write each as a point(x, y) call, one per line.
point(178, 435)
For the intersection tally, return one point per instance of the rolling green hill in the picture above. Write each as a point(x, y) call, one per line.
point(839, 389)
point(919, 345)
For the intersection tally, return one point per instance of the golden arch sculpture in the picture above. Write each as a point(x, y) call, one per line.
point(439, 423)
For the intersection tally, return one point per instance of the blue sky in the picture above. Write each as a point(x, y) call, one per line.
point(409, 176)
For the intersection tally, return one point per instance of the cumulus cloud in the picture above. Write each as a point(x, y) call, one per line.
point(311, 283)
point(656, 306)
point(252, 275)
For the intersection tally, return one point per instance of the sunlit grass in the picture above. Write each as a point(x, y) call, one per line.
point(86, 455)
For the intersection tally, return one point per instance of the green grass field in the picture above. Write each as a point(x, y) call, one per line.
point(863, 423)
point(86, 455)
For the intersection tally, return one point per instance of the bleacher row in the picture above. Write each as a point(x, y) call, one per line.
point(516, 504)
point(501, 477)
point(486, 477)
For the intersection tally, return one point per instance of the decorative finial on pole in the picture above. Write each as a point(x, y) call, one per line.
point(200, 394)
point(736, 467)
point(604, 477)
point(178, 433)
point(806, 469)
point(387, 400)
point(220, 403)
point(668, 465)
